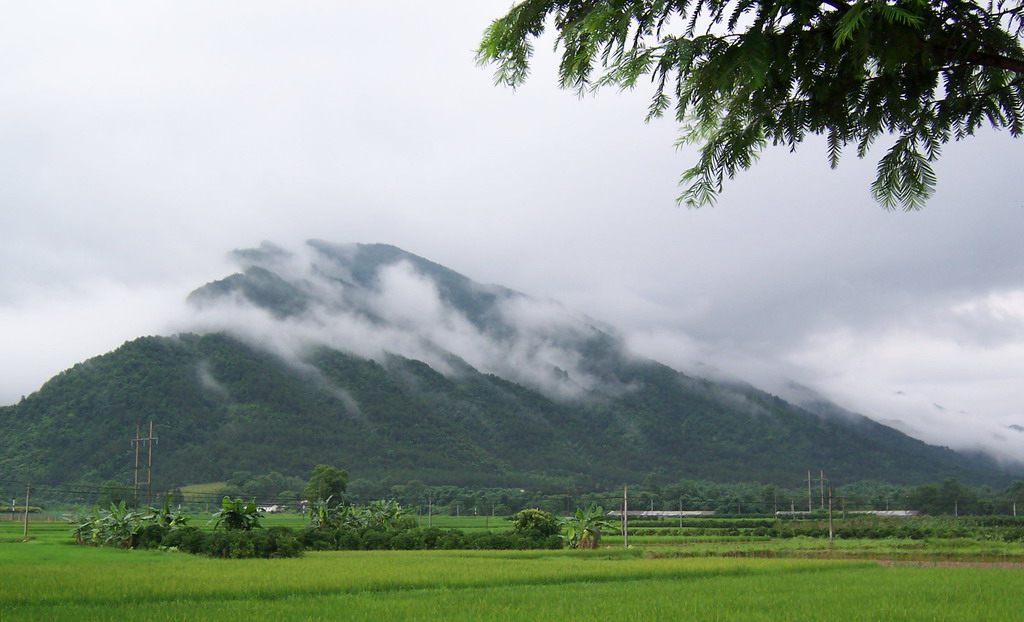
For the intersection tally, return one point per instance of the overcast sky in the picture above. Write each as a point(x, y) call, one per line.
point(140, 142)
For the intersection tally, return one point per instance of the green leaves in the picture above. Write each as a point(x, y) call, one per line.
point(583, 529)
point(854, 19)
point(326, 482)
point(380, 515)
point(507, 42)
point(237, 515)
point(905, 177)
point(923, 72)
point(119, 525)
point(166, 515)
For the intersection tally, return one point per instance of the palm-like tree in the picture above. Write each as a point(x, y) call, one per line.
point(85, 527)
point(237, 515)
point(323, 515)
point(120, 526)
point(583, 529)
point(166, 516)
point(387, 515)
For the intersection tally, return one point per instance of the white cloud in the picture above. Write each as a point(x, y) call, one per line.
point(47, 330)
point(938, 380)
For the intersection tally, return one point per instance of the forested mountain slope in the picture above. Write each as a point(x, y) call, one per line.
point(375, 360)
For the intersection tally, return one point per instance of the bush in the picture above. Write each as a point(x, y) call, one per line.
point(491, 541)
point(187, 539)
point(536, 524)
point(151, 536)
point(432, 537)
point(277, 542)
point(318, 539)
point(377, 540)
point(409, 540)
point(451, 540)
point(347, 540)
point(270, 543)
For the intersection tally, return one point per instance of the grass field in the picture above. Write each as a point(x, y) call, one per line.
point(47, 578)
point(206, 489)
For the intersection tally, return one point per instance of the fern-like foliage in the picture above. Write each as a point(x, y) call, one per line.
point(742, 74)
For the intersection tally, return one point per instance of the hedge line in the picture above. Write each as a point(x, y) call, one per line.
point(1006, 531)
point(286, 542)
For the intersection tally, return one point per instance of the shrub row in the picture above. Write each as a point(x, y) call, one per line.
point(285, 542)
point(265, 543)
point(420, 539)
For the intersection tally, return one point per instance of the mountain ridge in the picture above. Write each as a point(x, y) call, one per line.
point(392, 366)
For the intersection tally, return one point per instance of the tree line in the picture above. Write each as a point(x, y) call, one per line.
point(949, 497)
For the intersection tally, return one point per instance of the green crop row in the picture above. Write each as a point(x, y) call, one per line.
point(45, 581)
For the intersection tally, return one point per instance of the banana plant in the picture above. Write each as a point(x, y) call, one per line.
point(85, 527)
point(237, 515)
point(583, 529)
point(388, 515)
point(322, 515)
point(120, 526)
point(166, 516)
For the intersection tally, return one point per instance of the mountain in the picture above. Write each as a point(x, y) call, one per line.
point(391, 366)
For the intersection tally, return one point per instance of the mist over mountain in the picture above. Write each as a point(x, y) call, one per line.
point(395, 367)
point(375, 299)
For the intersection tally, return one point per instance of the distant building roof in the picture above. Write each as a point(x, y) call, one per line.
point(663, 513)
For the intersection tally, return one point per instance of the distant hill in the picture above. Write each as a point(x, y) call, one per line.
point(392, 366)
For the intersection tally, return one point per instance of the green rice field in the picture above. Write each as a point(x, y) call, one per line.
point(47, 578)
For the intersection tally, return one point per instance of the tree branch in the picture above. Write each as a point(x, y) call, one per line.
point(982, 59)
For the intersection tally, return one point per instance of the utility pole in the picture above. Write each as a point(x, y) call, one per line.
point(808, 491)
point(149, 466)
point(625, 516)
point(821, 487)
point(831, 533)
point(137, 442)
point(28, 489)
point(821, 484)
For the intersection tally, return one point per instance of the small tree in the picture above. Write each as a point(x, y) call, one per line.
point(387, 516)
point(583, 529)
point(120, 526)
point(326, 482)
point(166, 516)
point(86, 526)
point(237, 515)
point(323, 515)
point(536, 523)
